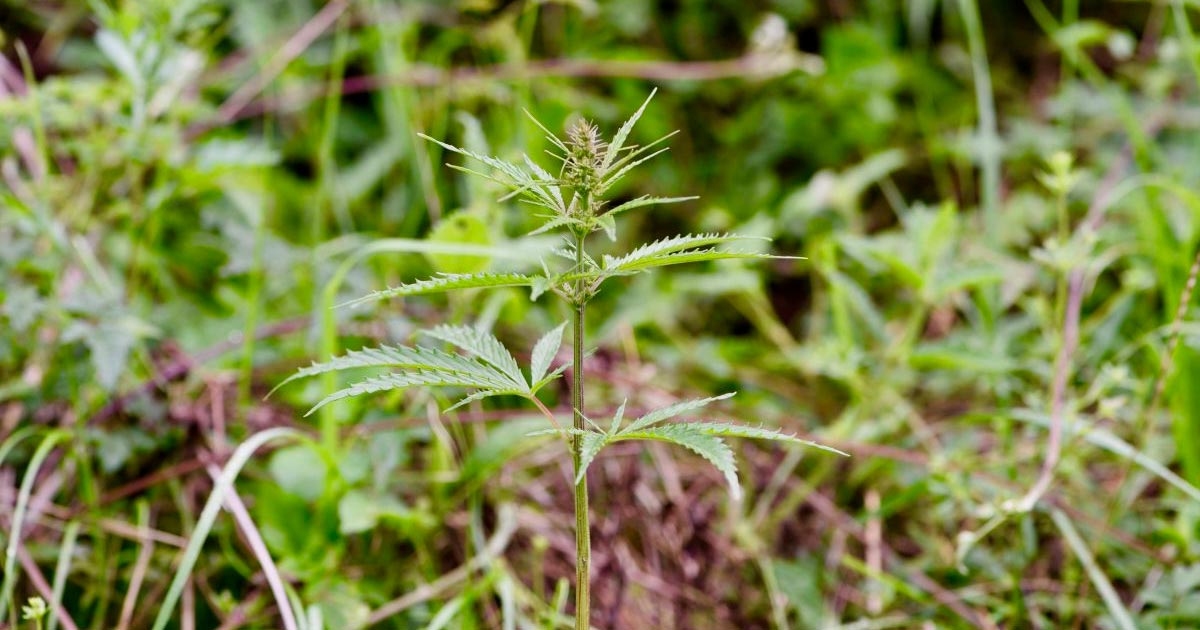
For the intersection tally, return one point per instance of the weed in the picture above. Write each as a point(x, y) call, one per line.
point(573, 203)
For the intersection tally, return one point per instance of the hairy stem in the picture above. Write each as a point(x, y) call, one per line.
point(583, 537)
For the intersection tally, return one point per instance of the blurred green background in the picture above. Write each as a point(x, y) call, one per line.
point(997, 205)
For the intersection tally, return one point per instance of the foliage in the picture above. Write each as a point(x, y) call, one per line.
point(575, 199)
point(999, 227)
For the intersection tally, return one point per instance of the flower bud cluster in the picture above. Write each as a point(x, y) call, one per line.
point(584, 165)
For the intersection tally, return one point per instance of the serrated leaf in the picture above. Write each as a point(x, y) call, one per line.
point(428, 359)
point(706, 445)
point(518, 179)
point(612, 179)
point(555, 373)
point(448, 282)
point(591, 442)
point(555, 223)
point(549, 136)
point(483, 345)
point(609, 224)
point(722, 429)
point(544, 352)
point(646, 200)
point(479, 395)
point(669, 245)
point(518, 176)
point(548, 179)
point(670, 411)
point(540, 285)
point(705, 439)
point(680, 258)
point(630, 160)
point(388, 382)
point(618, 141)
point(617, 417)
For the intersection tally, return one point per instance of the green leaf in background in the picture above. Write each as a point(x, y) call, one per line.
point(800, 581)
point(109, 343)
point(360, 511)
point(460, 228)
point(1185, 411)
point(21, 305)
point(342, 607)
point(299, 470)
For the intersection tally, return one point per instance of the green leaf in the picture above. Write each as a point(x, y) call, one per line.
point(963, 278)
point(544, 352)
point(109, 344)
point(555, 223)
point(513, 171)
point(553, 374)
point(670, 411)
point(552, 183)
point(591, 442)
point(479, 395)
point(549, 136)
point(426, 359)
point(359, 511)
point(646, 200)
point(722, 429)
point(483, 345)
point(708, 446)
point(1184, 398)
point(123, 58)
point(683, 242)
point(609, 224)
point(618, 141)
point(540, 285)
point(448, 282)
point(679, 258)
point(388, 382)
point(298, 470)
point(620, 415)
point(630, 164)
point(517, 179)
point(21, 305)
point(704, 438)
point(460, 228)
point(340, 606)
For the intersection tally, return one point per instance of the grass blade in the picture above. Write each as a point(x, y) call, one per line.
point(1116, 608)
point(18, 520)
point(208, 516)
point(62, 569)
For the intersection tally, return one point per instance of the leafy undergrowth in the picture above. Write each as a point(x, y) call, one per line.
point(996, 213)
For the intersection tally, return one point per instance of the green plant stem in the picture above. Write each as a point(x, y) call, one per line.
point(583, 536)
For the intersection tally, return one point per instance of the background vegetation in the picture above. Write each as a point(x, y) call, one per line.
point(997, 206)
